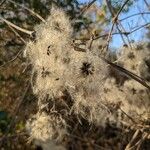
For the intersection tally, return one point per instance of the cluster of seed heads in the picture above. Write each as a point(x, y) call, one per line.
point(70, 82)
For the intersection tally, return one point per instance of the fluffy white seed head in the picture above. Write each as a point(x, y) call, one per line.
point(44, 128)
point(58, 66)
point(85, 83)
point(49, 53)
point(136, 60)
point(138, 98)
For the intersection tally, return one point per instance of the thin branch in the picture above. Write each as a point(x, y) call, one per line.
point(108, 2)
point(126, 35)
point(17, 34)
point(11, 60)
point(16, 27)
point(109, 36)
point(147, 4)
point(133, 15)
point(141, 14)
point(115, 19)
point(138, 143)
point(128, 147)
point(118, 13)
point(2, 2)
point(31, 11)
point(116, 33)
point(144, 136)
point(128, 116)
point(127, 73)
point(86, 8)
point(138, 28)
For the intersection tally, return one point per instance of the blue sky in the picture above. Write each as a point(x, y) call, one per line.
point(131, 23)
point(134, 22)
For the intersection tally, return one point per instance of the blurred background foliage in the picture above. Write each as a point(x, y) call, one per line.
point(14, 74)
